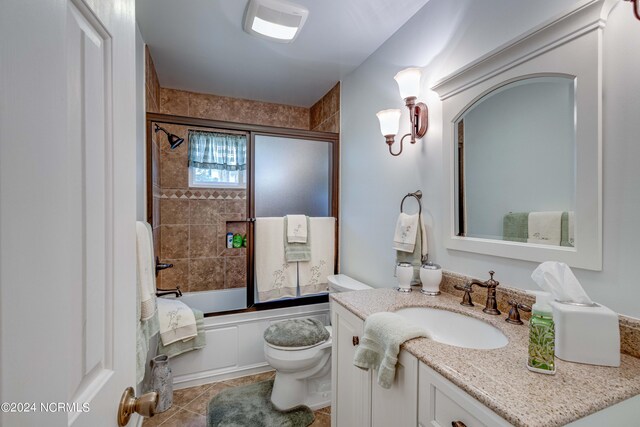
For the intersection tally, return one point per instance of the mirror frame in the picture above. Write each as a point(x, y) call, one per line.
point(543, 51)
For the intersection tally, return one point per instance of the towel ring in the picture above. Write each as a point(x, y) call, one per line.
point(418, 197)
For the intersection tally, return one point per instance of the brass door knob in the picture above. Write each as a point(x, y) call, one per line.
point(355, 340)
point(144, 405)
point(458, 424)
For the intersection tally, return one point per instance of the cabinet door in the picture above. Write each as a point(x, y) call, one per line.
point(351, 400)
point(398, 405)
point(441, 403)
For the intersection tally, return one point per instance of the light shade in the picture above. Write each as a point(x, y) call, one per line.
point(276, 20)
point(389, 121)
point(409, 82)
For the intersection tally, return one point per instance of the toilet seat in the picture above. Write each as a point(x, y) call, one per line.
point(305, 347)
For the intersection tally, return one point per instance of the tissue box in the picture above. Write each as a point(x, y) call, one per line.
point(587, 334)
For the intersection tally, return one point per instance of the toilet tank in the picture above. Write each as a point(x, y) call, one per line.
point(343, 283)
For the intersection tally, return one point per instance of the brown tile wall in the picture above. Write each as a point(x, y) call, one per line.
point(193, 225)
point(214, 107)
point(324, 115)
point(190, 225)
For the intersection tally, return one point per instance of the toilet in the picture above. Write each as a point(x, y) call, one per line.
point(303, 372)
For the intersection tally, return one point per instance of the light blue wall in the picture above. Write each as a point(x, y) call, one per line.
point(442, 37)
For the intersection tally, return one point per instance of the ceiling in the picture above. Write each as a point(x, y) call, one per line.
point(200, 46)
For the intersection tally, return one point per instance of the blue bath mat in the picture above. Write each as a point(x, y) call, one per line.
point(250, 406)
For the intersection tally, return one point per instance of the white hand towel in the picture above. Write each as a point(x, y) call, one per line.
point(177, 321)
point(380, 344)
point(146, 278)
point(423, 236)
point(404, 238)
point(314, 273)
point(296, 228)
point(275, 277)
point(545, 228)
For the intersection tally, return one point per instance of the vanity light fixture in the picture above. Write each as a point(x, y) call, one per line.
point(635, 4)
point(275, 20)
point(409, 84)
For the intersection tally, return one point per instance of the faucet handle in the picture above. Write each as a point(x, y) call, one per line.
point(514, 314)
point(491, 283)
point(466, 298)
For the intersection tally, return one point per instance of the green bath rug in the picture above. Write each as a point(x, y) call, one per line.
point(250, 406)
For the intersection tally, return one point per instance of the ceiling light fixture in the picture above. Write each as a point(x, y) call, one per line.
point(276, 20)
point(409, 84)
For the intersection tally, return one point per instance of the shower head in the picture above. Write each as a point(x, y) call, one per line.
point(174, 140)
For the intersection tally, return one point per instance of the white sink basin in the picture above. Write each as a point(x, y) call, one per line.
point(455, 329)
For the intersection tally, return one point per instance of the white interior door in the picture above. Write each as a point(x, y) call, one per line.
point(67, 210)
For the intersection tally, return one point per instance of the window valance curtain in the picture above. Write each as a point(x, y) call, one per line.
point(214, 150)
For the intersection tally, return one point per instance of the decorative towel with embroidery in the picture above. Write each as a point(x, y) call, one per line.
point(404, 238)
point(177, 321)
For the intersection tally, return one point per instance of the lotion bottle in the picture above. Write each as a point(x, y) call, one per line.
point(542, 336)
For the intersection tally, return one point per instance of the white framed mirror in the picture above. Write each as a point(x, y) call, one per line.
point(522, 145)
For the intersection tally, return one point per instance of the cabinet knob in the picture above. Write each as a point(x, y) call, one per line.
point(458, 424)
point(355, 340)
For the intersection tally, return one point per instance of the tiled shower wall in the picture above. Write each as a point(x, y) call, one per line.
point(324, 115)
point(190, 224)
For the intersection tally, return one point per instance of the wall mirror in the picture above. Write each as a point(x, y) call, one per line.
point(515, 163)
point(522, 144)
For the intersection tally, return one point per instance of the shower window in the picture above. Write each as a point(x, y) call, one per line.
point(217, 159)
point(199, 177)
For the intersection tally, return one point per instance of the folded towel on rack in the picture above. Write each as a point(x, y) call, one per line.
point(297, 226)
point(380, 344)
point(545, 228)
point(177, 321)
point(294, 252)
point(275, 277)
point(179, 347)
point(404, 238)
point(515, 226)
point(313, 274)
point(419, 254)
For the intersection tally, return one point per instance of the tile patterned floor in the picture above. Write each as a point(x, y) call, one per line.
point(190, 404)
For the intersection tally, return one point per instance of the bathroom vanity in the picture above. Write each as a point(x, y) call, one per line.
point(439, 384)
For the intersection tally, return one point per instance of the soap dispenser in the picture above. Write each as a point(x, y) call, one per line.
point(542, 336)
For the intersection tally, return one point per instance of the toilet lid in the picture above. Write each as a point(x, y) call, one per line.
point(296, 333)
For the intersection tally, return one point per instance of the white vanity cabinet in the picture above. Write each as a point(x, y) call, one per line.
point(442, 404)
point(351, 397)
point(357, 398)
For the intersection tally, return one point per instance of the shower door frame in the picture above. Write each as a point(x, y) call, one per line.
point(253, 131)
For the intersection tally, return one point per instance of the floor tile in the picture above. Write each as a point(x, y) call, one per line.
point(201, 403)
point(158, 419)
point(322, 420)
point(250, 379)
point(325, 410)
point(184, 396)
point(186, 418)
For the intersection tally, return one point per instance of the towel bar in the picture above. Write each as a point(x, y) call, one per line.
point(418, 197)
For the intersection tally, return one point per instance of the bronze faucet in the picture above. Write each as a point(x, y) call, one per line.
point(491, 306)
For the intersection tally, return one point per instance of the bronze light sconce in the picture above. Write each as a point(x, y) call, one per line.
point(635, 4)
point(409, 85)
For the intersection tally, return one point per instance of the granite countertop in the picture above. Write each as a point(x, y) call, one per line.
point(499, 378)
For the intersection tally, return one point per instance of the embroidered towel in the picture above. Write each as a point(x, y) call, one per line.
point(314, 273)
point(294, 252)
point(379, 347)
point(146, 278)
point(275, 277)
point(177, 321)
point(404, 238)
point(296, 228)
point(544, 228)
point(179, 347)
point(418, 255)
